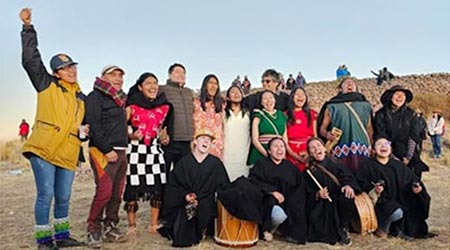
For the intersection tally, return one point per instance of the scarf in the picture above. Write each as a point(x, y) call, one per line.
point(117, 95)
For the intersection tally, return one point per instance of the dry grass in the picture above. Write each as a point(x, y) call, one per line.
point(18, 193)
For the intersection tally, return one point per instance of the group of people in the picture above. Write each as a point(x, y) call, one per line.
point(292, 169)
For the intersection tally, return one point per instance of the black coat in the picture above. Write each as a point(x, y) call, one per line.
point(288, 180)
point(190, 176)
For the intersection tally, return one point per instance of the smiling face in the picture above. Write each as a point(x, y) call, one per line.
point(235, 95)
point(277, 150)
point(115, 78)
point(268, 101)
point(178, 75)
point(317, 150)
point(68, 73)
point(299, 98)
point(348, 86)
point(202, 144)
point(212, 86)
point(382, 148)
point(149, 88)
point(398, 98)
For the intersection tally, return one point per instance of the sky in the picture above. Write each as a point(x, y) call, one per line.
point(227, 38)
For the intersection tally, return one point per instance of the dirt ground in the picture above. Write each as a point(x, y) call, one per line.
point(17, 195)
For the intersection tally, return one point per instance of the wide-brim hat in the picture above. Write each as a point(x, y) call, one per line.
point(206, 132)
point(387, 95)
point(437, 111)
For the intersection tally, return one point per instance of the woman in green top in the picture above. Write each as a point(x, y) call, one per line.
point(266, 124)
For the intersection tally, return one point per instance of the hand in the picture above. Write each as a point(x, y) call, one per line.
point(278, 196)
point(417, 188)
point(323, 193)
point(83, 131)
point(137, 135)
point(405, 161)
point(303, 157)
point(112, 156)
point(348, 192)
point(379, 189)
point(25, 16)
point(330, 136)
point(163, 136)
point(191, 198)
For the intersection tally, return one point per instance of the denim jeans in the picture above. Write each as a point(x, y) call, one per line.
point(395, 216)
point(278, 216)
point(436, 142)
point(51, 182)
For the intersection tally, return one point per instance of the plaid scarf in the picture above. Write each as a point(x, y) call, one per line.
point(117, 95)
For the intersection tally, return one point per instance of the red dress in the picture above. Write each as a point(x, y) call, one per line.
point(298, 134)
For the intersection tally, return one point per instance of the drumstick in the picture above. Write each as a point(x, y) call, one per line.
point(317, 183)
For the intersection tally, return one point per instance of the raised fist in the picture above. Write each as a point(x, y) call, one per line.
point(25, 16)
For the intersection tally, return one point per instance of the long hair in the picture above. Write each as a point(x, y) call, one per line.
point(134, 89)
point(228, 105)
point(291, 107)
point(217, 99)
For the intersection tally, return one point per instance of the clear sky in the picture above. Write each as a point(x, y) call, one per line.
point(223, 37)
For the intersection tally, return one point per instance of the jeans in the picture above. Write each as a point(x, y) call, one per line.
point(436, 142)
point(278, 216)
point(395, 216)
point(51, 182)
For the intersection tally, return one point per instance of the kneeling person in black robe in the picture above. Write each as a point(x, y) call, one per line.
point(189, 204)
point(331, 209)
point(284, 194)
point(402, 201)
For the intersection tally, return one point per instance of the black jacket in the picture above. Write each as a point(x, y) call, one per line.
point(107, 121)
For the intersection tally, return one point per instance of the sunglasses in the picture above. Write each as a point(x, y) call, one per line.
point(266, 81)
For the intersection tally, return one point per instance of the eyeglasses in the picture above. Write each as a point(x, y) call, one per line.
point(266, 81)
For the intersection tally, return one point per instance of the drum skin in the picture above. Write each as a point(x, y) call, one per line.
point(233, 232)
point(366, 222)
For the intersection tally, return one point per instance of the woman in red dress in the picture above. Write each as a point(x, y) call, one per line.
point(300, 127)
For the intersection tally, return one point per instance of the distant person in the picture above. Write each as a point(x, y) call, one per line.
point(422, 128)
point(290, 82)
point(181, 97)
point(54, 145)
point(383, 76)
point(24, 130)
point(270, 80)
point(282, 85)
point(246, 85)
point(300, 81)
point(342, 71)
point(237, 82)
point(105, 113)
point(436, 129)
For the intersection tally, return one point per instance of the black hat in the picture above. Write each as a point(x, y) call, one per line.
point(387, 95)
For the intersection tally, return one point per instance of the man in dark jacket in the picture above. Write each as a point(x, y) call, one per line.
point(105, 113)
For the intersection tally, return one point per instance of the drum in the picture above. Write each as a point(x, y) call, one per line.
point(233, 232)
point(366, 222)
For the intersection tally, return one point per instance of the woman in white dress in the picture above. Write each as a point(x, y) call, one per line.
point(236, 135)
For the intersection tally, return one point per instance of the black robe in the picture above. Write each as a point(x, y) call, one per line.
point(326, 220)
point(398, 127)
point(398, 193)
point(288, 180)
point(190, 176)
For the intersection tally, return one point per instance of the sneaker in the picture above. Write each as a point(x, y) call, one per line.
point(345, 241)
point(403, 236)
point(94, 240)
point(268, 236)
point(69, 242)
point(113, 234)
point(48, 246)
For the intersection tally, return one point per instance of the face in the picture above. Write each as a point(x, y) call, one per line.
point(398, 98)
point(149, 88)
point(348, 86)
point(211, 87)
point(202, 144)
point(269, 83)
point(178, 75)
point(299, 98)
point(115, 78)
point(268, 101)
point(383, 148)
point(317, 150)
point(277, 150)
point(235, 95)
point(67, 74)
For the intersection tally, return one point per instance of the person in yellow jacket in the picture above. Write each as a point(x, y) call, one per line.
point(54, 145)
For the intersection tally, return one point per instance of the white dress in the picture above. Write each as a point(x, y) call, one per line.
point(236, 144)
